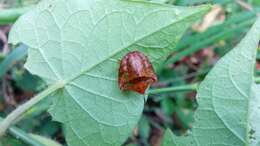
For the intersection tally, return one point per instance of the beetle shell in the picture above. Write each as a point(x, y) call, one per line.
point(136, 72)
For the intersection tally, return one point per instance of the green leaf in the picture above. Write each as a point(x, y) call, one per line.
point(75, 46)
point(225, 115)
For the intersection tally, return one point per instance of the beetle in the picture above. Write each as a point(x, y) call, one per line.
point(136, 72)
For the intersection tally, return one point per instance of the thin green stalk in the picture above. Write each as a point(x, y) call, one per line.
point(191, 87)
point(21, 135)
point(8, 16)
point(18, 112)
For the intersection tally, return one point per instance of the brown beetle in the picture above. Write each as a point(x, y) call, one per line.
point(136, 72)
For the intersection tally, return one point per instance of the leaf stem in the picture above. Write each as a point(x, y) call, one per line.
point(18, 112)
point(8, 16)
point(191, 87)
point(21, 135)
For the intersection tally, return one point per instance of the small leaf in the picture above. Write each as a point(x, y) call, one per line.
point(78, 44)
point(225, 98)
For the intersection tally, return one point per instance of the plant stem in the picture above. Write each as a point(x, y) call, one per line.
point(21, 135)
point(8, 16)
point(191, 87)
point(18, 112)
